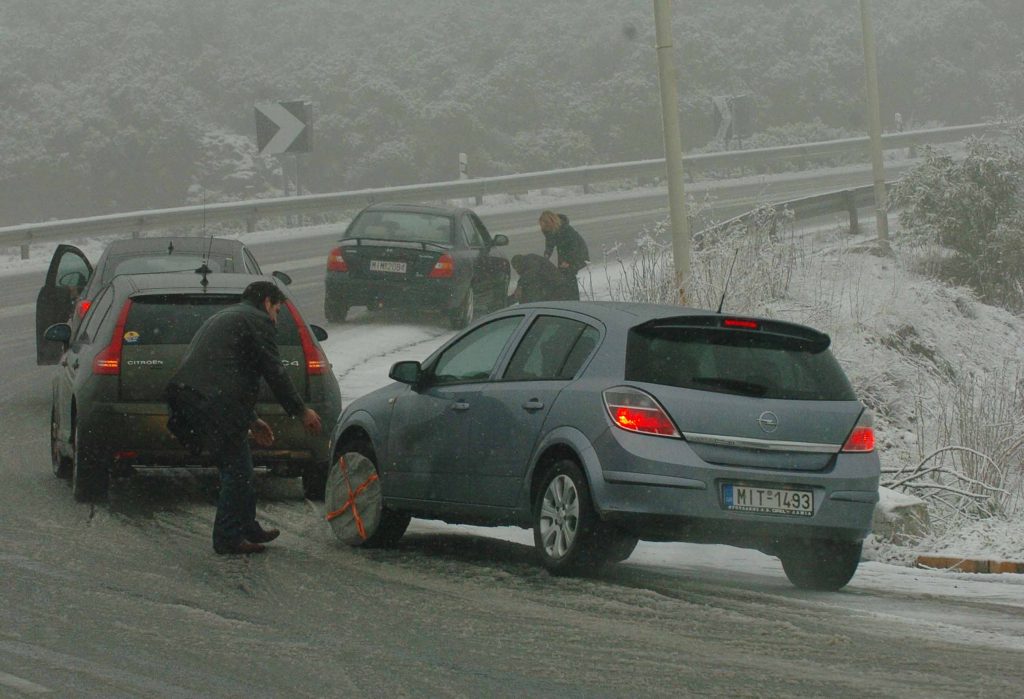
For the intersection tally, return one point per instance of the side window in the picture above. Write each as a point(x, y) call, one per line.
point(553, 348)
point(94, 317)
point(472, 234)
point(473, 356)
point(481, 229)
point(250, 263)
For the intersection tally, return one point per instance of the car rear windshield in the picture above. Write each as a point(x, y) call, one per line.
point(402, 226)
point(174, 319)
point(135, 264)
point(746, 363)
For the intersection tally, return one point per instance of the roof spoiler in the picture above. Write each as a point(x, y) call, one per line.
point(814, 340)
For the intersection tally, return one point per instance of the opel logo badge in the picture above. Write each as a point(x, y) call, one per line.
point(768, 421)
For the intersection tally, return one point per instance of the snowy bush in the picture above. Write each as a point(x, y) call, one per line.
point(973, 207)
point(751, 262)
point(975, 470)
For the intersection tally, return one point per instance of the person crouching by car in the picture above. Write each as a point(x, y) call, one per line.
point(539, 280)
point(212, 399)
point(572, 250)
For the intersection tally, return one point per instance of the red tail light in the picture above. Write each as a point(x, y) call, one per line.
point(740, 323)
point(108, 361)
point(316, 360)
point(336, 261)
point(443, 268)
point(82, 308)
point(862, 438)
point(635, 411)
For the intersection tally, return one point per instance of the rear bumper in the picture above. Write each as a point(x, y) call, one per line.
point(128, 435)
point(436, 294)
point(659, 489)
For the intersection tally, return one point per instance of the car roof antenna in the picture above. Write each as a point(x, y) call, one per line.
point(728, 278)
point(204, 268)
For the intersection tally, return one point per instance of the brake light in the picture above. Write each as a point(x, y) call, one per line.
point(336, 261)
point(316, 360)
point(635, 411)
point(83, 308)
point(740, 323)
point(108, 361)
point(443, 268)
point(862, 437)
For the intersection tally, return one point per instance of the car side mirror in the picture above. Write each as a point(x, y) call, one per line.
point(409, 372)
point(285, 278)
point(319, 333)
point(58, 332)
point(499, 240)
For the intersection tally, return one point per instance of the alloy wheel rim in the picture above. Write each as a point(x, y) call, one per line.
point(559, 516)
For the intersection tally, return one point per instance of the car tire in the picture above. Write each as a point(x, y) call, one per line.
point(62, 465)
point(821, 565)
point(392, 524)
point(463, 315)
point(335, 311)
point(567, 531)
point(90, 478)
point(314, 480)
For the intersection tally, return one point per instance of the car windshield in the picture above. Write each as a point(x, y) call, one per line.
point(729, 361)
point(163, 263)
point(402, 226)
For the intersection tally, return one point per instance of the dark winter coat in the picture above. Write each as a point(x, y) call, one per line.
point(539, 280)
point(220, 374)
point(570, 246)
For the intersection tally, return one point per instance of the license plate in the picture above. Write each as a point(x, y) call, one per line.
point(775, 501)
point(387, 266)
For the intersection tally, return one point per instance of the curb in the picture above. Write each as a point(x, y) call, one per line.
point(969, 565)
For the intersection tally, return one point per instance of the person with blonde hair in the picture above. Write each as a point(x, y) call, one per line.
point(572, 249)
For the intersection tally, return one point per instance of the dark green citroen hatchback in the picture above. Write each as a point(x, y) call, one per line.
point(109, 417)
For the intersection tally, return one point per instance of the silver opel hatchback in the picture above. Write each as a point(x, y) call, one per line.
point(598, 424)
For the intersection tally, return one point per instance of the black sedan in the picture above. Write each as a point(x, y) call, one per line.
point(411, 256)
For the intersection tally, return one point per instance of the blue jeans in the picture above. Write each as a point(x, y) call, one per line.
point(236, 504)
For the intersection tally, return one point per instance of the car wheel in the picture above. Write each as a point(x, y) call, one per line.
point(383, 527)
point(821, 565)
point(335, 311)
point(61, 464)
point(90, 479)
point(567, 532)
point(463, 315)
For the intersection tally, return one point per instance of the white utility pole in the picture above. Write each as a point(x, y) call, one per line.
point(874, 123)
point(673, 145)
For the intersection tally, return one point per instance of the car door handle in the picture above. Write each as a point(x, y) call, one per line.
point(460, 405)
point(533, 404)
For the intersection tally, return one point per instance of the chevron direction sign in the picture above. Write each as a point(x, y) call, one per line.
point(284, 127)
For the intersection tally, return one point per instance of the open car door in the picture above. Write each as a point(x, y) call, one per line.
point(67, 276)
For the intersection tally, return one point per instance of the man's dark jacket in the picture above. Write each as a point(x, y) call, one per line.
point(539, 280)
point(219, 376)
point(570, 246)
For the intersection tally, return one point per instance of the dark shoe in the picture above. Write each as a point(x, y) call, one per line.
point(242, 546)
point(262, 536)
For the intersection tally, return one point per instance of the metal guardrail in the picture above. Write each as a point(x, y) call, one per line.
point(843, 200)
point(251, 211)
